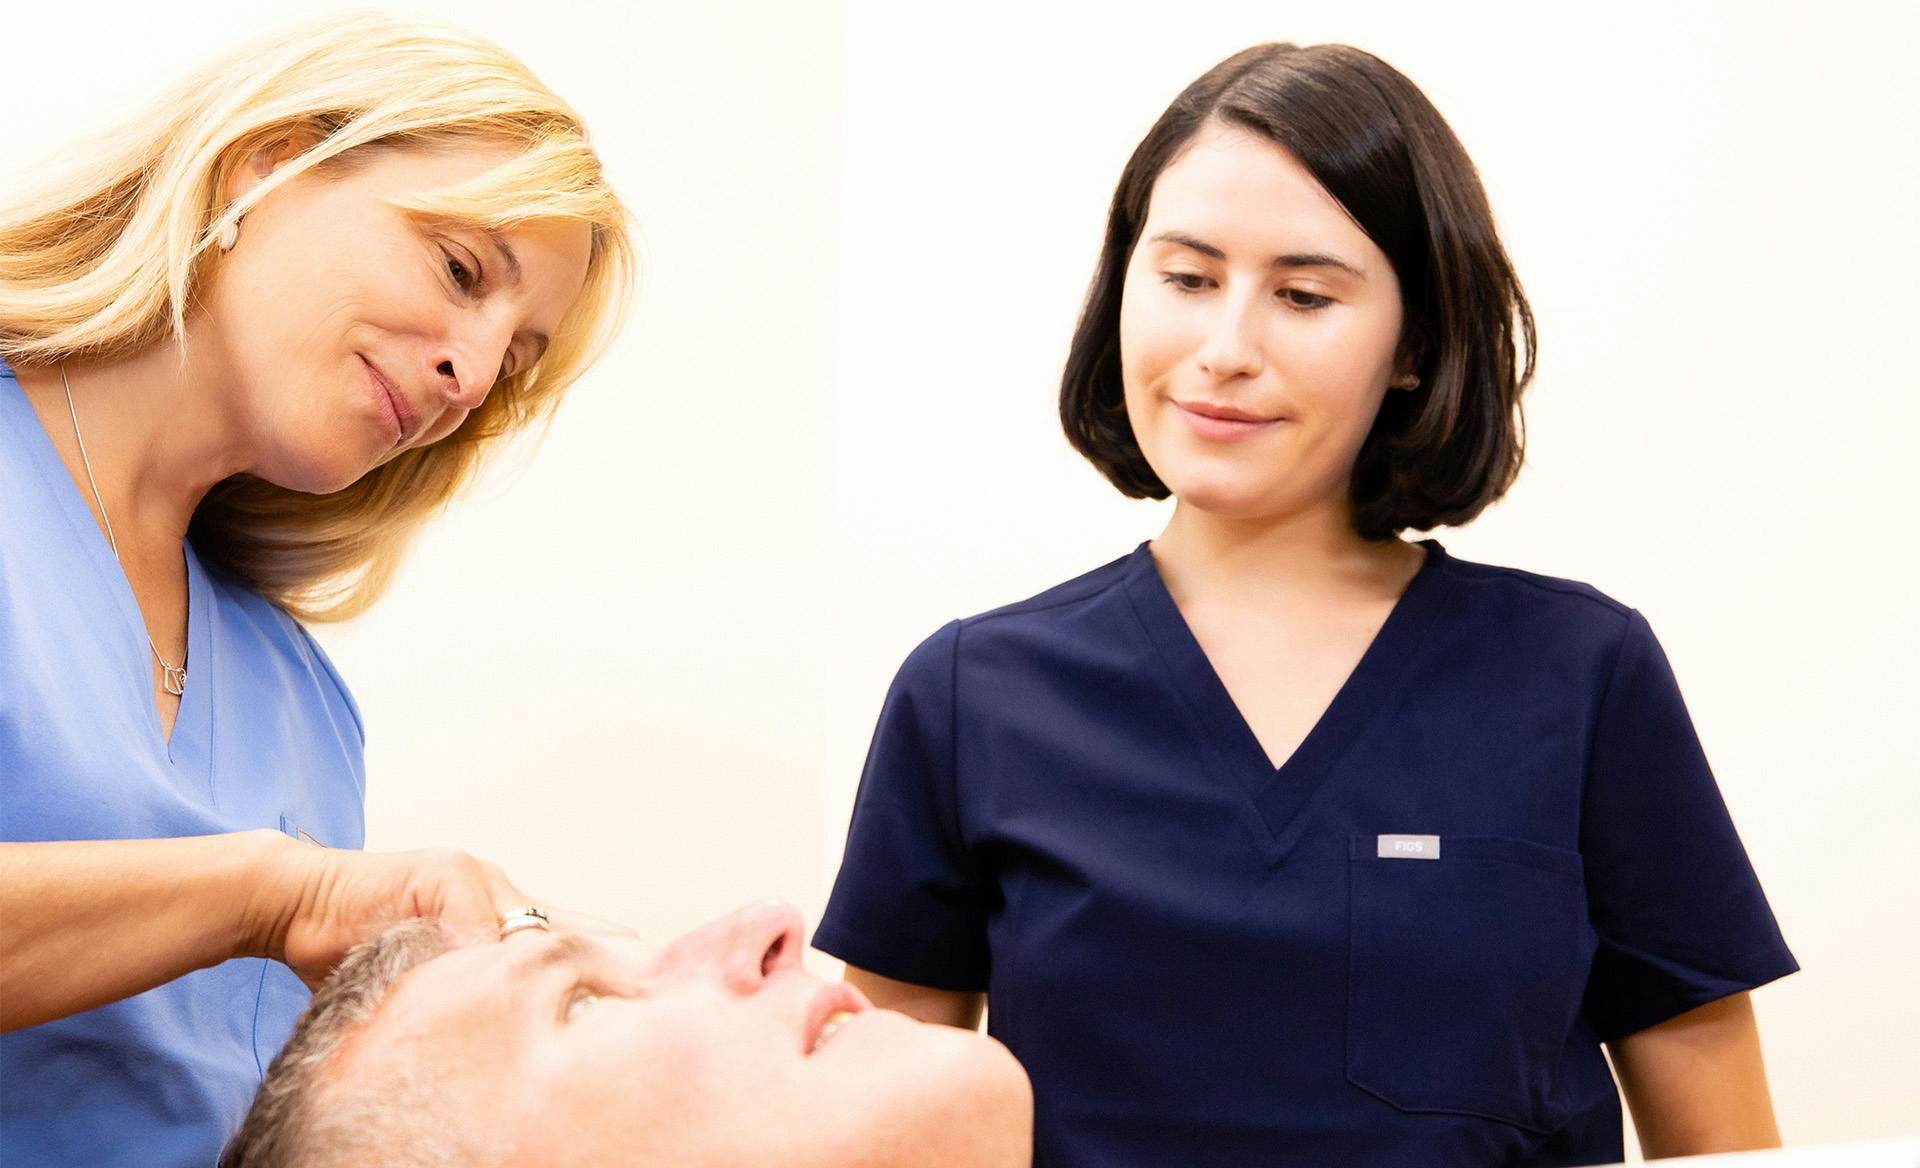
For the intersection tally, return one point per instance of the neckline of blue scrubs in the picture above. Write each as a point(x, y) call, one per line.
point(189, 747)
point(1285, 797)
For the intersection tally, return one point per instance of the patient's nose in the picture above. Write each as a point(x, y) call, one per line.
point(744, 947)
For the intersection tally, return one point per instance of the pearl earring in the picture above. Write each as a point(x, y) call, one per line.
point(229, 235)
point(1410, 381)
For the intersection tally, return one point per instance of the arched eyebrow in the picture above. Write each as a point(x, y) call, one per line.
point(1298, 259)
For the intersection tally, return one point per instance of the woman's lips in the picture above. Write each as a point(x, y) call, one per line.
point(392, 403)
point(1223, 423)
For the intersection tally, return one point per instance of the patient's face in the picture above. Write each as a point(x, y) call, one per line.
point(717, 1051)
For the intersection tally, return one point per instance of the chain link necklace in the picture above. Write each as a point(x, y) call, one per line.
point(173, 677)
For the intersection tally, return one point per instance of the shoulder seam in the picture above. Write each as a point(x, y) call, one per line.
point(956, 822)
point(953, 732)
point(1600, 706)
point(1557, 586)
point(1026, 607)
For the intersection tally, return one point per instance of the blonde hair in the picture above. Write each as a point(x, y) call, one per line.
point(104, 260)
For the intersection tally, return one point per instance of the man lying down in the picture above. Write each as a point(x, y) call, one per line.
point(556, 1048)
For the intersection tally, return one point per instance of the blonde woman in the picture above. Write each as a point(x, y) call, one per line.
point(248, 344)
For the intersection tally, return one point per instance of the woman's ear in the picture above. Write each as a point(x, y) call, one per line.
point(260, 165)
point(1406, 362)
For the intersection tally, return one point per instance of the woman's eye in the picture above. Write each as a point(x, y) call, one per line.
point(1186, 281)
point(1304, 300)
point(463, 276)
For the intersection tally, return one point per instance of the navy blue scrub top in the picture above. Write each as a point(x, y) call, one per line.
point(266, 736)
point(1500, 846)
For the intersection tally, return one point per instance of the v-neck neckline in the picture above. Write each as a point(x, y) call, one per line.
point(1283, 795)
point(186, 748)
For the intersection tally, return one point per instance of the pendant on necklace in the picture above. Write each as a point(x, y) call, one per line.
point(174, 678)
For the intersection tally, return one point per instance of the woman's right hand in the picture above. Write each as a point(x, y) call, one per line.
point(88, 922)
point(323, 901)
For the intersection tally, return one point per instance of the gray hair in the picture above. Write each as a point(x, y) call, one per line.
point(304, 1116)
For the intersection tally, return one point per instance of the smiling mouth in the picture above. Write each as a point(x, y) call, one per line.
point(396, 404)
point(832, 1008)
point(1224, 413)
point(834, 1022)
point(1214, 423)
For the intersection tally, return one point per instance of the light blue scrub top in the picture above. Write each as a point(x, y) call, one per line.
point(267, 736)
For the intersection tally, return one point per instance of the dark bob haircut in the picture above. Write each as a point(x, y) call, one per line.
point(1437, 455)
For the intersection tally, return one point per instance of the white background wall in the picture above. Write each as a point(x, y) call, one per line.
point(640, 672)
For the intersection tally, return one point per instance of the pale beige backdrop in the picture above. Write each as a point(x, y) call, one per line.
point(641, 672)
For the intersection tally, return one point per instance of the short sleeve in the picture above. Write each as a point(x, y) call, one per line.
point(909, 902)
point(1679, 912)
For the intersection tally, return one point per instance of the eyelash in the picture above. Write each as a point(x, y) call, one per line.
point(456, 267)
point(1179, 282)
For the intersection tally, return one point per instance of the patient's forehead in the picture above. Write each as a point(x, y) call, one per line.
point(481, 998)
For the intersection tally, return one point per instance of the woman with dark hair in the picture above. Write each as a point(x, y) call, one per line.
point(1283, 839)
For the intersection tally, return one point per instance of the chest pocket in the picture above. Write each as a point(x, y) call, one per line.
point(1466, 973)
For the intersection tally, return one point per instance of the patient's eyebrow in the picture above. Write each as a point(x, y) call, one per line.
point(566, 949)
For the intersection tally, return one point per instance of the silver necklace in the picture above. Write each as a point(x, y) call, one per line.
point(173, 677)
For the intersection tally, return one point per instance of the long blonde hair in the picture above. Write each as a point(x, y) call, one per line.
point(104, 259)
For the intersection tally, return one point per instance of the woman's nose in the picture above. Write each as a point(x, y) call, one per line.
point(463, 378)
point(1231, 347)
point(469, 360)
point(744, 948)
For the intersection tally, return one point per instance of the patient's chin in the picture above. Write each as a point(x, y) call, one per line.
point(966, 1103)
point(1003, 1111)
point(1006, 1100)
point(883, 1092)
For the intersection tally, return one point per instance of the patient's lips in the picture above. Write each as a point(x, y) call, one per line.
point(832, 1027)
point(829, 1010)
